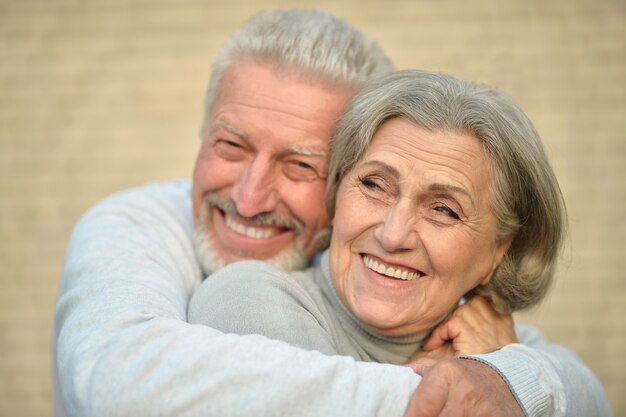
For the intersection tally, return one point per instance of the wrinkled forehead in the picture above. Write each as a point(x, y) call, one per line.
point(418, 155)
point(259, 104)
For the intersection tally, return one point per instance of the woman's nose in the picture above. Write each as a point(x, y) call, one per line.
point(398, 229)
point(254, 191)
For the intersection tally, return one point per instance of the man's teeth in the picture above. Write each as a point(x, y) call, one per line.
point(252, 232)
point(389, 271)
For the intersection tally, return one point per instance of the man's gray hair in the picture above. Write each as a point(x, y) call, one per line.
point(315, 43)
point(525, 194)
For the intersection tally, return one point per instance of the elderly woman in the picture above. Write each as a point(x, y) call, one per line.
point(440, 190)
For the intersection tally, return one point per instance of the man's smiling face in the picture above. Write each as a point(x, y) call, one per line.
point(260, 174)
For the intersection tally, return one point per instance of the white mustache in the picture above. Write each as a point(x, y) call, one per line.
point(262, 219)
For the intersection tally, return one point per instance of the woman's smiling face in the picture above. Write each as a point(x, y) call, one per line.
point(413, 228)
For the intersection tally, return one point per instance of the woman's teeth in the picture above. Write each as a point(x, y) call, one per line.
point(389, 271)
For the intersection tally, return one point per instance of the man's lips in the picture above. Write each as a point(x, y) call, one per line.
point(391, 271)
point(249, 230)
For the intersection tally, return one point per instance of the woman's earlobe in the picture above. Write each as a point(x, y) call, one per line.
point(501, 251)
point(503, 247)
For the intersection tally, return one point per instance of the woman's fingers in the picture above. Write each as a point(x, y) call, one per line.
point(449, 330)
point(474, 327)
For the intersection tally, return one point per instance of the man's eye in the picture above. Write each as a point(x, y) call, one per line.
point(229, 143)
point(302, 171)
point(228, 149)
point(302, 165)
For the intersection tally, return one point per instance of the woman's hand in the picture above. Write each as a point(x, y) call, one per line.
point(473, 328)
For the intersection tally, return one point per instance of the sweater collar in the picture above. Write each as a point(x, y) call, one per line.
point(404, 345)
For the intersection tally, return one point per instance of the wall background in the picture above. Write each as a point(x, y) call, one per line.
point(96, 97)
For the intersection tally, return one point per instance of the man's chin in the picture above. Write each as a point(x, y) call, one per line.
point(209, 258)
point(289, 260)
point(205, 253)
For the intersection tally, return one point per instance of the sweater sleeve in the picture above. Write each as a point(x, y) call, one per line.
point(252, 297)
point(548, 380)
point(122, 345)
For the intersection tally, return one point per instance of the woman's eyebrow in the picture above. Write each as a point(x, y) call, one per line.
point(453, 189)
point(435, 187)
point(383, 167)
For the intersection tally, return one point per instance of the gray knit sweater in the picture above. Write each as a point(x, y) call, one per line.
point(122, 345)
point(301, 308)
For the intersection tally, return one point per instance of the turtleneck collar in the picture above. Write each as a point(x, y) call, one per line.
point(400, 347)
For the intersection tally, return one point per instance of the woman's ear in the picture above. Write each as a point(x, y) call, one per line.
point(501, 249)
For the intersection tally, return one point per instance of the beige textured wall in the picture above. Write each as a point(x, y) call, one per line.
point(97, 96)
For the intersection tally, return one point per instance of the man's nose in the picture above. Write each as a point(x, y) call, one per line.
point(398, 229)
point(254, 191)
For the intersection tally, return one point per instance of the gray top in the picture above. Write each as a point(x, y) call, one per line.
point(302, 308)
point(122, 346)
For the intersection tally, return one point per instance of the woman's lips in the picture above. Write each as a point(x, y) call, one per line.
point(395, 271)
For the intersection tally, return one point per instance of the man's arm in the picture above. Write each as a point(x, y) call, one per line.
point(462, 387)
point(122, 345)
point(546, 380)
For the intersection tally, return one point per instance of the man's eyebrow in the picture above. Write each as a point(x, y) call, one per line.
point(307, 151)
point(232, 129)
point(244, 136)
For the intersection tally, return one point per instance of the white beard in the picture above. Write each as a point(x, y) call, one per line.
point(291, 259)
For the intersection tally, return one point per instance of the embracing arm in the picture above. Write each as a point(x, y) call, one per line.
point(532, 378)
point(548, 379)
point(122, 345)
point(518, 375)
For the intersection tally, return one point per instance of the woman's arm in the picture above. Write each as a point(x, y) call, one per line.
point(253, 297)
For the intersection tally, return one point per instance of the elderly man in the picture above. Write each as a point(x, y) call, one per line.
point(122, 346)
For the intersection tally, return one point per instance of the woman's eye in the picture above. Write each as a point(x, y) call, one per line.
point(448, 211)
point(377, 189)
point(369, 183)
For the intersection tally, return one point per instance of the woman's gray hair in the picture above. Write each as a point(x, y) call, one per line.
point(525, 194)
point(313, 42)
